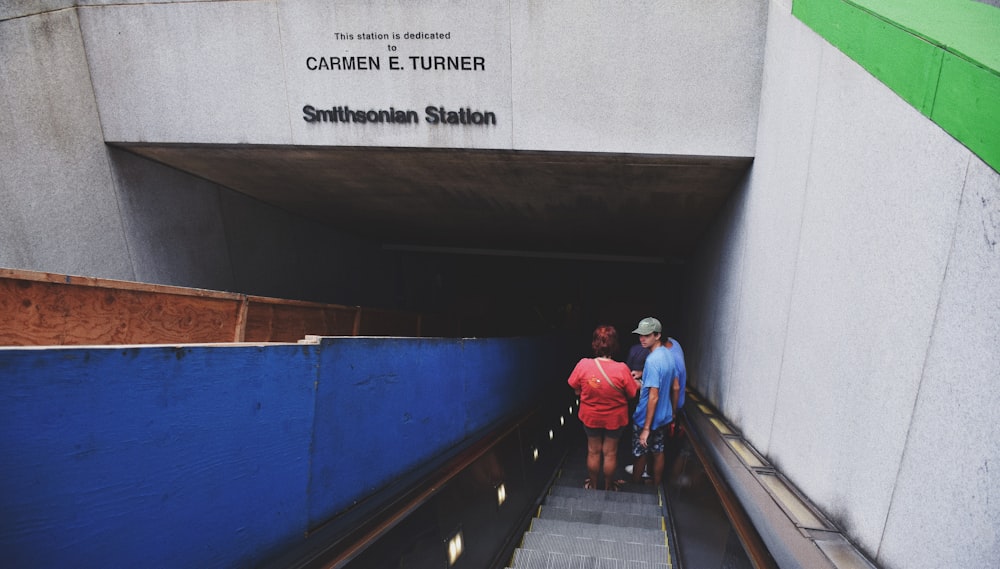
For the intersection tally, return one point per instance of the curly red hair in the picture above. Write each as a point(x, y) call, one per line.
point(605, 342)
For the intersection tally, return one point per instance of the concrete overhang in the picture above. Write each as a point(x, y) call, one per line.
point(532, 202)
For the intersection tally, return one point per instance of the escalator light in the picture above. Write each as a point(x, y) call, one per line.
point(454, 548)
point(744, 452)
point(562, 421)
point(720, 426)
point(501, 495)
point(551, 435)
point(790, 502)
point(534, 454)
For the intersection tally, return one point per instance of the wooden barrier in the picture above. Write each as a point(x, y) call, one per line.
point(275, 320)
point(38, 309)
point(44, 309)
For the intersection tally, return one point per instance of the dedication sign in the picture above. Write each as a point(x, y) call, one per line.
point(400, 74)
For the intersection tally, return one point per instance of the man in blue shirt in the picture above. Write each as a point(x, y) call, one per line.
point(657, 400)
point(677, 396)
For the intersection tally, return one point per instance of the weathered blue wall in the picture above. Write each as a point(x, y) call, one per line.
point(218, 456)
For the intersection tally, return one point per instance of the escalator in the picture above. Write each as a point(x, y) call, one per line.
point(580, 528)
point(683, 524)
point(515, 500)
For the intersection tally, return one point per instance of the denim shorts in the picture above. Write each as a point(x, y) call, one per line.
point(654, 443)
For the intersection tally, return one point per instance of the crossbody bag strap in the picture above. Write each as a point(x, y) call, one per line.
point(611, 383)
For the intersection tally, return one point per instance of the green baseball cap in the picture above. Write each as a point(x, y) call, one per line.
point(648, 326)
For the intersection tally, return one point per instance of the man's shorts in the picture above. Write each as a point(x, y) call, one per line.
point(654, 443)
point(603, 433)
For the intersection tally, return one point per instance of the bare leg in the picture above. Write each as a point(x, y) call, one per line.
point(658, 463)
point(593, 459)
point(638, 467)
point(610, 451)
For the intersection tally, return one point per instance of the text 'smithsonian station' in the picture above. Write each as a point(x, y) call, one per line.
point(432, 115)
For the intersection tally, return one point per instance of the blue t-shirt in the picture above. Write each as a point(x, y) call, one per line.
point(682, 374)
point(659, 372)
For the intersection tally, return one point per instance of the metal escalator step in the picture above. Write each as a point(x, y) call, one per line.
point(600, 518)
point(533, 559)
point(597, 548)
point(617, 533)
point(530, 559)
point(651, 510)
point(622, 497)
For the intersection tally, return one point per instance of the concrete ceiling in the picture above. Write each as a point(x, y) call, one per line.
point(540, 203)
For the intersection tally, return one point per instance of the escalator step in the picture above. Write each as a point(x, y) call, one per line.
point(594, 504)
point(597, 548)
point(552, 512)
point(621, 497)
point(530, 559)
point(579, 529)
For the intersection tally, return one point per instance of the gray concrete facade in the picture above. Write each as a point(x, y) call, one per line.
point(69, 204)
point(847, 323)
point(78, 74)
point(686, 73)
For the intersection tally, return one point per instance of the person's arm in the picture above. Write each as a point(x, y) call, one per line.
point(654, 398)
point(632, 388)
point(575, 378)
point(675, 394)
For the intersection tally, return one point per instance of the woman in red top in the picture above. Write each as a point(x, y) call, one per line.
point(604, 387)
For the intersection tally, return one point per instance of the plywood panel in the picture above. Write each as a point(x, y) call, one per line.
point(43, 309)
point(148, 455)
point(276, 320)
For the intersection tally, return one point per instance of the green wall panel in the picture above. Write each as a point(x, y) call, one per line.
point(941, 56)
point(905, 63)
point(968, 107)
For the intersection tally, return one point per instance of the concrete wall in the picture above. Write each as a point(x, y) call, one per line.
point(77, 74)
point(686, 73)
point(847, 318)
point(69, 204)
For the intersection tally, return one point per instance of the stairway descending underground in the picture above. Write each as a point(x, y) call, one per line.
point(577, 528)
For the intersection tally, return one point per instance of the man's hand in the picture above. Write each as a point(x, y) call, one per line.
point(643, 436)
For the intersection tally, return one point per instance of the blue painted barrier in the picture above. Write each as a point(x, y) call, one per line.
point(220, 455)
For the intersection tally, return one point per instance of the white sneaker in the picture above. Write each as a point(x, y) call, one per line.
point(645, 474)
